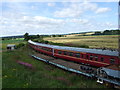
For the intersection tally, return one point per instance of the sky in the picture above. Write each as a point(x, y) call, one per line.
point(17, 18)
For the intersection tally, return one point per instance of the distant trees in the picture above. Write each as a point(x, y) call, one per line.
point(53, 35)
point(111, 32)
point(57, 35)
point(98, 33)
point(38, 35)
point(108, 32)
point(26, 36)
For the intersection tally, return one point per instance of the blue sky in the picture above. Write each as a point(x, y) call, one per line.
point(57, 17)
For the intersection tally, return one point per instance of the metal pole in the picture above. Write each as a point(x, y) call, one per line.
point(119, 28)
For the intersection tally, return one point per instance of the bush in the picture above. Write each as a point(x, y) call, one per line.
point(46, 42)
point(20, 45)
point(35, 40)
point(84, 46)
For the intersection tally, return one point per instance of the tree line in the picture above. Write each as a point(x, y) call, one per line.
point(27, 36)
point(108, 32)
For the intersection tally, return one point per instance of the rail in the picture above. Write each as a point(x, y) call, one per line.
point(76, 71)
point(63, 67)
point(110, 81)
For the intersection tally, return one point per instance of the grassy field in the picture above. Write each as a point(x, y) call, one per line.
point(42, 76)
point(4, 43)
point(109, 41)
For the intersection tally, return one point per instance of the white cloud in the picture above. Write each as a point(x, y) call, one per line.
point(40, 20)
point(78, 21)
point(68, 12)
point(102, 10)
point(30, 24)
point(45, 25)
point(58, 0)
point(88, 6)
point(77, 9)
point(51, 4)
point(71, 10)
point(18, 22)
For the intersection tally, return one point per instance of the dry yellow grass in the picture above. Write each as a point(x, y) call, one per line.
point(109, 41)
point(90, 33)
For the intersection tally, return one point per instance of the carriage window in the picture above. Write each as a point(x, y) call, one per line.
point(47, 49)
point(91, 57)
point(43, 48)
point(55, 51)
point(96, 58)
point(39, 47)
point(65, 53)
point(59, 52)
point(81, 55)
point(70, 53)
point(102, 59)
point(112, 61)
point(87, 56)
point(77, 55)
point(50, 50)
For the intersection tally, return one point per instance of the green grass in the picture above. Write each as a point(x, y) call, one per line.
point(14, 41)
point(109, 41)
point(42, 76)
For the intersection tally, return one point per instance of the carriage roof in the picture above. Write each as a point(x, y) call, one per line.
point(85, 50)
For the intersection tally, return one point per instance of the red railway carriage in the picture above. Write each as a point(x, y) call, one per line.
point(42, 49)
point(98, 60)
point(94, 57)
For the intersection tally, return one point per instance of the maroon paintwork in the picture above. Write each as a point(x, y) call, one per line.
point(83, 59)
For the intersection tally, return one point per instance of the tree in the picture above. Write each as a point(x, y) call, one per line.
point(98, 33)
point(38, 35)
point(26, 36)
point(59, 35)
point(53, 36)
point(107, 32)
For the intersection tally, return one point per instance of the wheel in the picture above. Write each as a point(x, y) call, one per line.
point(103, 74)
point(109, 85)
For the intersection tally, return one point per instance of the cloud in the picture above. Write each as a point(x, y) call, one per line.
point(102, 10)
point(78, 9)
point(68, 12)
point(78, 21)
point(40, 20)
point(71, 11)
point(30, 24)
point(21, 18)
point(46, 25)
point(46, 20)
point(51, 4)
point(88, 6)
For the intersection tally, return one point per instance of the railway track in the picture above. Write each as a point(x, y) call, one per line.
point(62, 62)
point(78, 71)
point(50, 55)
